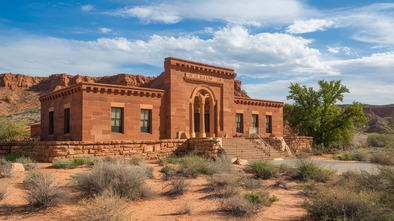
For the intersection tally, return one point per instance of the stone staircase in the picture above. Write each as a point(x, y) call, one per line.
point(250, 149)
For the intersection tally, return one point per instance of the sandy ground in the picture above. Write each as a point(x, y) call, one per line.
point(204, 206)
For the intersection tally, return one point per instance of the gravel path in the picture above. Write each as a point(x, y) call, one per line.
point(340, 166)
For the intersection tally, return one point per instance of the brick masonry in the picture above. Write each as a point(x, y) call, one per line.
point(50, 151)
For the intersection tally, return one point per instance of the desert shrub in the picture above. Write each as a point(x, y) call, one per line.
point(105, 206)
point(6, 168)
point(14, 156)
point(341, 204)
point(147, 169)
point(254, 198)
point(283, 167)
point(135, 161)
point(176, 187)
point(380, 140)
point(274, 198)
point(357, 155)
point(83, 161)
point(168, 172)
point(261, 169)
point(3, 189)
point(27, 162)
point(117, 176)
point(192, 166)
point(64, 164)
point(250, 184)
point(173, 159)
point(186, 208)
point(224, 185)
point(221, 164)
point(246, 205)
point(382, 158)
point(72, 164)
point(302, 155)
point(42, 192)
point(163, 161)
point(311, 170)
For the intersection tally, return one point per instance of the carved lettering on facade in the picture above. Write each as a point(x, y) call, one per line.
point(190, 77)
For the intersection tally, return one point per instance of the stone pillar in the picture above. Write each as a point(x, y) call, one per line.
point(212, 119)
point(202, 119)
point(193, 133)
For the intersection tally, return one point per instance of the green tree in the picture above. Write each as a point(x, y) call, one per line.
point(315, 114)
point(11, 130)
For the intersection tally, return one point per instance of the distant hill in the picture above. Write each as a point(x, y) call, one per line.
point(378, 116)
point(19, 93)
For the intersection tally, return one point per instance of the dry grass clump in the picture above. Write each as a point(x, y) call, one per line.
point(225, 185)
point(3, 189)
point(221, 164)
point(340, 204)
point(177, 187)
point(245, 205)
point(382, 158)
point(262, 169)
point(118, 176)
point(186, 208)
point(105, 206)
point(355, 196)
point(6, 168)
point(310, 170)
point(42, 192)
point(189, 166)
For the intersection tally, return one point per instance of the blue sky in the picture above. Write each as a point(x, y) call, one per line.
point(269, 43)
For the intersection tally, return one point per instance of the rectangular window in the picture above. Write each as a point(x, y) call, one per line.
point(117, 120)
point(196, 122)
point(51, 123)
point(145, 121)
point(67, 120)
point(239, 121)
point(268, 124)
point(255, 120)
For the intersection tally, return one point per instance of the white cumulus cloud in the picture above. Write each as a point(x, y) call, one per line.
point(311, 25)
point(251, 12)
point(105, 30)
point(87, 8)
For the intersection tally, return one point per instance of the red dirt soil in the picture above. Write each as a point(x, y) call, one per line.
point(203, 207)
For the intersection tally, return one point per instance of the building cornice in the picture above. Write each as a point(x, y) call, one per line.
point(103, 89)
point(200, 68)
point(257, 102)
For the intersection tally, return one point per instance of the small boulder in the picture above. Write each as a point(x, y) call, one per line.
point(17, 167)
point(241, 162)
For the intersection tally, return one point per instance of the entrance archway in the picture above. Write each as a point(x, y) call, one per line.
point(202, 112)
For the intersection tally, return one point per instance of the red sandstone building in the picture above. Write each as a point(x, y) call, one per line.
point(188, 99)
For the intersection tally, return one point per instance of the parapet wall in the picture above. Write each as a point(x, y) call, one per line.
point(206, 147)
point(299, 143)
point(50, 151)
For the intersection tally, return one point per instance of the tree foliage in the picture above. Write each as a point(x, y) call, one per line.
point(11, 130)
point(315, 114)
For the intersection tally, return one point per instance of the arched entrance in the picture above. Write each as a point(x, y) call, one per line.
point(202, 109)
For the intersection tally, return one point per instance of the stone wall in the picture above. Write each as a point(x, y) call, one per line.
point(50, 151)
point(299, 143)
point(206, 147)
point(295, 143)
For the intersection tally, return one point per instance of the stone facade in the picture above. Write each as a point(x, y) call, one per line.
point(187, 100)
point(299, 143)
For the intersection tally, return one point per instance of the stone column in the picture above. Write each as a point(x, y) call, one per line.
point(193, 133)
point(202, 119)
point(212, 119)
